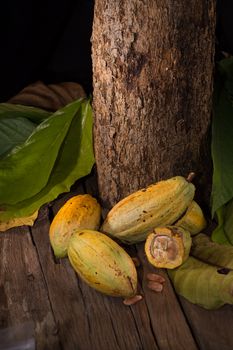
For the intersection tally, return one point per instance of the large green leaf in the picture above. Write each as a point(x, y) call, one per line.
point(28, 166)
point(228, 221)
point(36, 115)
point(219, 234)
point(222, 150)
point(74, 160)
point(17, 123)
point(13, 132)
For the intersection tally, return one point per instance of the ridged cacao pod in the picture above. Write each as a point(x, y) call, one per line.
point(168, 247)
point(203, 284)
point(219, 254)
point(79, 212)
point(102, 263)
point(193, 219)
point(160, 204)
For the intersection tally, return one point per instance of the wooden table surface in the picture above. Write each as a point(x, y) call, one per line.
point(67, 314)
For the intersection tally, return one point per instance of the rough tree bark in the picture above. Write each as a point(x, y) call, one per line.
point(152, 78)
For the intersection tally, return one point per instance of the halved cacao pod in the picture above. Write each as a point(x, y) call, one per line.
point(168, 247)
point(193, 219)
point(102, 263)
point(79, 212)
point(160, 204)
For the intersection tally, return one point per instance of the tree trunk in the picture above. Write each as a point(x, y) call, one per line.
point(152, 80)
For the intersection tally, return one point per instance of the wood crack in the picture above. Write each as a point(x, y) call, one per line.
point(85, 306)
point(136, 325)
point(186, 318)
point(115, 333)
point(56, 329)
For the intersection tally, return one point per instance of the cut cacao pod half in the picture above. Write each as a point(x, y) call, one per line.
point(168, 247)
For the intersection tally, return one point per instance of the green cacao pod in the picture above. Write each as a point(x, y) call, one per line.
point(160, 204)
point(102, 263)
point(206, 285)
point(213, 253)
point(79, 212)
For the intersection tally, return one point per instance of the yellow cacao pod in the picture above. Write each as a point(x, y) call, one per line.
point(79, 212)
point(102, 263)
point(160, 204)
point(193, 219)
point(168, 247)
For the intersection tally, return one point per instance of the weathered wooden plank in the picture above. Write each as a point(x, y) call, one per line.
point(62, 287)
point(212, 328)
point(68, 314)
point(23, 293)
point(129, 333)
point(87, 319)
point(167, 319)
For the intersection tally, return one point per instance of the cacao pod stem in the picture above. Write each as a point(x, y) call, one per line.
point(190, 177)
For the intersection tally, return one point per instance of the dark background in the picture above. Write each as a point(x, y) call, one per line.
point(50, 41)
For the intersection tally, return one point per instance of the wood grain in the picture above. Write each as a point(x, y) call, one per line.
point(167, 319)
point(211, 328)
point(23, 290)
point(67, 314)
point(86, 319)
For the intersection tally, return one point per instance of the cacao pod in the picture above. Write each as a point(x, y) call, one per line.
point(203, 284)
point(102, 263)
point(193, 219)
point(79, 212)
point(168, 247)
point(160, 204)
point(204, 249)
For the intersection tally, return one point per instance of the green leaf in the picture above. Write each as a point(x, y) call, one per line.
point(228, 221)
point(36, 115)
point(222, 142)
point(222, 148)
point(74, 160)
point(219, 234)
point(17, 123)
point(13, 132)
point(26, 170)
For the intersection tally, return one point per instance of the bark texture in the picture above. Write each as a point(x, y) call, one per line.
point(152, 80)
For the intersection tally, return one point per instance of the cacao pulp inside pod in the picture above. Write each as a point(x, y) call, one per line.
point(160, 204)
point(102, 263)
point(79, 212)
point(168, 247)
point(193, 219)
